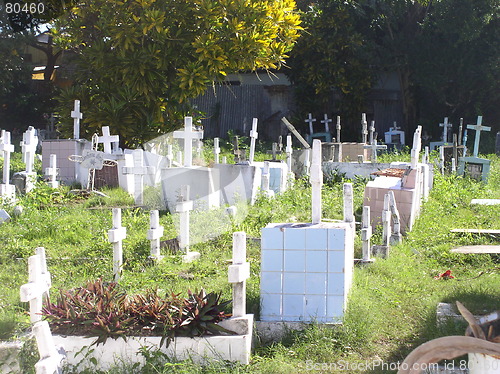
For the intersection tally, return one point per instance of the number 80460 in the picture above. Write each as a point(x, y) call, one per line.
point(24, 8)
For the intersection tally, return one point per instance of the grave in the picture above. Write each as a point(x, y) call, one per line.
point(238, 182)
point(324, 135)
point(408, 181)
point(52, 171)
point(306, 268)
point(445, 137)
point(475, 167)
point(7, 190)
point(29, 145)
point(77, 116)
point(394, 138)
point(115, 237)
point(138, 170)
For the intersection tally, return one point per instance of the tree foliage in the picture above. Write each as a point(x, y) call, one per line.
point(139, 61)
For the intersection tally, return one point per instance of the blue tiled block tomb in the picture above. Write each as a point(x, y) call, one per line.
point(306, 271)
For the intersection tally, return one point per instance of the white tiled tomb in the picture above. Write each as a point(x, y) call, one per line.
point(306, 271)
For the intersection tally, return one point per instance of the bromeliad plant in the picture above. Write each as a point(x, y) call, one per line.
point(104, 310)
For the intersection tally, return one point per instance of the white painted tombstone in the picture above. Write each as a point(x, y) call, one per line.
point(216, 150)
point(478, 127)
point(184, 207)
point(50, 360)
point(326, 121)
point(7, 190)
point(338, 128)
point(77, 116)
point(348, 197)
point(364, 128)
point(107, 140)
point(316, 181)
point(374, 147)
point(366, 234)
point(188, 135)
point(266, 176)
point(155, 232)
point(309, 120)
point(396, 236)
point(35, 289)
point(116, 236)
point(28, 148)
point(139, 170)
point(238, 273)
point(253, 137)
point(445, 125)
point(51, 172)
point(394, 136)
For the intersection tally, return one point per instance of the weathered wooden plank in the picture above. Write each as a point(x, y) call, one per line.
point(476, 231)
point(485, 202)
point(477, 249)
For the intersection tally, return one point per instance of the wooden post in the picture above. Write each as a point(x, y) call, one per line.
point(338, 127)
point(316, 181)
point(366, 234)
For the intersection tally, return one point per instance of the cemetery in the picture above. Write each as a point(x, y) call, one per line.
point(298, 262)
point(249, 187)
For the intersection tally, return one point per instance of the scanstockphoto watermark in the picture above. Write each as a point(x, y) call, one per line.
point(367, 366)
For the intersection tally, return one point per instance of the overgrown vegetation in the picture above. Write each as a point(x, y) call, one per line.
point(391, 307)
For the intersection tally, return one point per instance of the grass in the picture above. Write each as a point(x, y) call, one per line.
point(392, 304)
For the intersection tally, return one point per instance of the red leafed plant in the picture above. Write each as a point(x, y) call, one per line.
point(104, 310)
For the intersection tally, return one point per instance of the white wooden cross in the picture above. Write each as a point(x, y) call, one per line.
point(460, 130)
point(40, 251)
point(6, 189)
point(445, 125)
point(316, 181)
point(371, 131)
point(184, 207)
point(478, 127)
point(366, 234)
point(116, 236)
point(338, 127)
point(28, 148)
point(310, 121)
point(374, 148)
point(50, 359)
point(253, 137)
point(36, 287)
point(216, 150)
point(348, 197)
point(417, 147)
point(326, 121)
point(139, 170)
point(395, 127)
point(51, 172)
point(188, 135)
point(107, 139)
point(155, 232)
point(364, 128)
point(238, 273)
point(77, 116)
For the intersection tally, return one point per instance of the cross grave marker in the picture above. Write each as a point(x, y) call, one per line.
point(338, 128)
point(107, 139)
point(374, 147)
point(445, 125)
point(326, 121)
point(50, 359)
point(77, 116)
point(216, 150)
point(253, 137)
point(139, 170)
point(309, 120)
point(36, 287)
point(155, 232)
point(364, 128)
point(116, 236)
point(6, 189)
point(51, 172)
point(188, 135)
point(478, 127)
point(238, 273)
point(184, 207)
point(371, 131)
